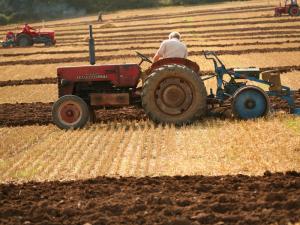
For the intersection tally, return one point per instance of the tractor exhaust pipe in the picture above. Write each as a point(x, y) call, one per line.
point(92, 47)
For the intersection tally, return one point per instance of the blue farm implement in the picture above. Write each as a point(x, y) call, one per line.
point(248, 101)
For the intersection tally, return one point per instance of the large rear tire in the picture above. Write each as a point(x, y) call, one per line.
point(174, 94)
point(250, 102)
point(294, 11)
point(24, 40)
point(70, 112)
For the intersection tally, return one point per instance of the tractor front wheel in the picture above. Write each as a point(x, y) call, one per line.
point(250, 102)
point(277, 13)
point(294, 11)
point(24, 40)
point(174, 94)
point(70, 112)
point(48, 42)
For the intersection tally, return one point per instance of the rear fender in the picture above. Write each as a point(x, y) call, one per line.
point(178, 61)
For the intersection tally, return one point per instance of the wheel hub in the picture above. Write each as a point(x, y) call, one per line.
point(70, 113)
point(173, 96)
point(294, 11)
point(250, 104)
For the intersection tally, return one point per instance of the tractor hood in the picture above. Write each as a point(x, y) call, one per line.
point(46, 31)
point(125, 75)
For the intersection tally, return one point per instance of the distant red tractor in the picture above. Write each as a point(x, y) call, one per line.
point(29, 36)
point(290, 7)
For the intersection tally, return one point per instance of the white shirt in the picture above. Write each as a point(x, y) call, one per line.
point(172, 48)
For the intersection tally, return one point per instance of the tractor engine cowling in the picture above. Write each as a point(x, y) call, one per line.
point(99, 85)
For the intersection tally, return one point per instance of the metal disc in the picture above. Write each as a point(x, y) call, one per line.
point(250, 103)
point(173, 96)
point(294, 11)
point(70, 113)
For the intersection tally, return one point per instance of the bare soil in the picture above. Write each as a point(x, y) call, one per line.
point(47, 80)
point(272, 198)
point(22, 114)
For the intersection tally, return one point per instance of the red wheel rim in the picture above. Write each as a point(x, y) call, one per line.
point(69, 113)
point(295, 11)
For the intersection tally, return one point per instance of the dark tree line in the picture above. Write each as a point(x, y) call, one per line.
point(32, 10)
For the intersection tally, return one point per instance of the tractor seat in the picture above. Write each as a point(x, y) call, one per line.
point(179, 61)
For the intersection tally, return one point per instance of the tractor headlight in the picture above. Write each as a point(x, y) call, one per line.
point(64, 82)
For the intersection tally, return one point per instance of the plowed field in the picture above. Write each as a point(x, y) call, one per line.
point(40, 113)
point(270, 199)
point(126, 170)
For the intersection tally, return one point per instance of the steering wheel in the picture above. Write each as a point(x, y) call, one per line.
point(144, 58)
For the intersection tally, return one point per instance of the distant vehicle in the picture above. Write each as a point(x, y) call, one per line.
point(28, 37)
point(290, 7)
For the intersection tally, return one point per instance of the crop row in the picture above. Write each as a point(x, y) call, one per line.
point(181, 26)
point(159, 34)
point(186, 20)
point(192, 13)
point(237, 35)
point(140, 148)
point(237, 10)
point(120, 56)
point(64, 52)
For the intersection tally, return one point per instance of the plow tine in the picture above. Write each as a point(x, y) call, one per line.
point(296, 111)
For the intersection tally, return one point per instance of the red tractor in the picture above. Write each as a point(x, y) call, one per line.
point(29, 36)
point(172, 91)
point(290, 7)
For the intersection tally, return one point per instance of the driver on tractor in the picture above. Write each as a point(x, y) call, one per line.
point(28, 29)
point(172, 48)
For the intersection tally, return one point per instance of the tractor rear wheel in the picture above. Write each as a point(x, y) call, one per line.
point(24, 40)
point(294, 11)
point(70, 112)
point(250, 102)
point(174, 94)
